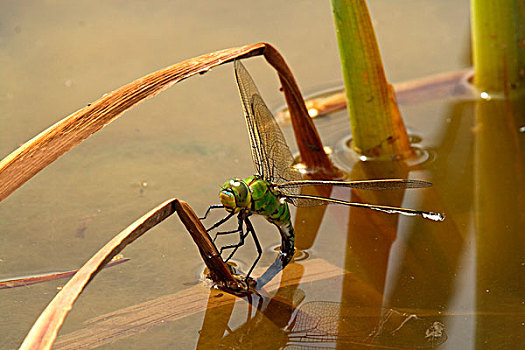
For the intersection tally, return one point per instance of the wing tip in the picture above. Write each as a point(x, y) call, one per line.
point(417, 183)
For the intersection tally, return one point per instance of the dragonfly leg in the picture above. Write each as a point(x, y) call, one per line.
point(241, 238)
point(213, 206)
point(219, 223)
point(251, 230)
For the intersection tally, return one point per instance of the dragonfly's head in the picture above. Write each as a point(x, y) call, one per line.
point(235, 195)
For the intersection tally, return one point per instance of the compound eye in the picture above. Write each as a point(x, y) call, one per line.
point(241, 191)
point(228, 200)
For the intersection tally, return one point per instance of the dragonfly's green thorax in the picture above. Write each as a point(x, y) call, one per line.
point(256, 196)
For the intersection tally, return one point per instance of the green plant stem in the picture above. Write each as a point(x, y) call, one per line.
point(498, 45)
point(377, 127)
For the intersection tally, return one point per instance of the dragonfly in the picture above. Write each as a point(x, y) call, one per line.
point(277, 182)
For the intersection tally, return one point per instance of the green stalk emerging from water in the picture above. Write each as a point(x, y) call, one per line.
point(498, 45)
point(377, 127)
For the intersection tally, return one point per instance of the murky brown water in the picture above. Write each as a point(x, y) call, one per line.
point(466, 273)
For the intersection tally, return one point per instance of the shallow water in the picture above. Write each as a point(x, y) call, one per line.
point(466, 273)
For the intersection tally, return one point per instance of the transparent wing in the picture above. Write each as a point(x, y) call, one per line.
point(376, 185)
point(271, 155)
point(383, 208)
point(291, 188)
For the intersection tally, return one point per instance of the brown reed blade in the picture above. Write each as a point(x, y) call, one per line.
point(43, 333)
point(27, 281)
point(219, 271)
point(46, 147)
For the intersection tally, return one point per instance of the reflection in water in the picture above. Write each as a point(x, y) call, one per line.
point(264, 330)
point(499, 175)
point(278, 323)
point(331, 324)
point(426, 271)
